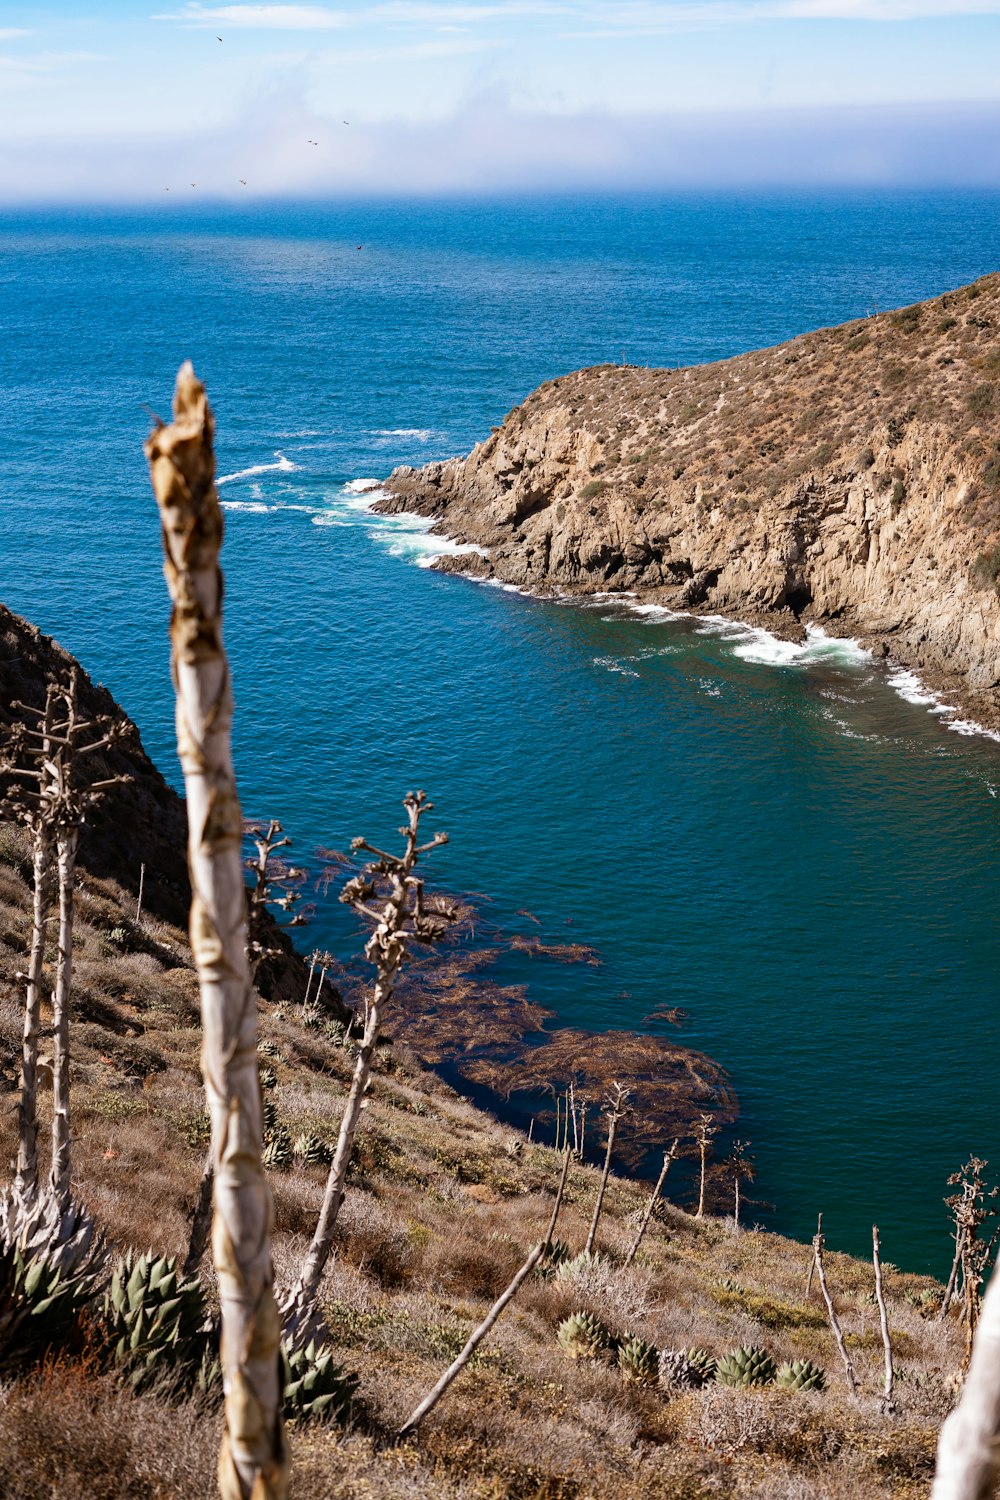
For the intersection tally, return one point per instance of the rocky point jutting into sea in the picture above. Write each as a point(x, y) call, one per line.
point(849, 479)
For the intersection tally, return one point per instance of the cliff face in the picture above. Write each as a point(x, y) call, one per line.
point(140, 822)
point(850, 478)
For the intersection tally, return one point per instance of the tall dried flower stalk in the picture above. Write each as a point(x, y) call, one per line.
point(616, 1107)
point(32, 814)
point(50, 794)
point(404, 918)
point(479, 1333)
point(819, 1243)
point(968, 1455)
point(253, 1460)
point(888, 1405)
point(704, 1134)
point(668, 1157)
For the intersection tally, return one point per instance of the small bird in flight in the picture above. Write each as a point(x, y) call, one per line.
point(194, 184)
point(218, 39)
point(312, 143)
point(243, 182)
point(347, 122)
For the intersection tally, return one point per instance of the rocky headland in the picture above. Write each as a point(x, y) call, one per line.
point(849, 478)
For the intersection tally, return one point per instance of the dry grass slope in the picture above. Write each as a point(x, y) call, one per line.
point(442, 1204)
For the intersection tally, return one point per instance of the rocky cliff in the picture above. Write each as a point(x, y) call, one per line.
point(849, 478)
point(141, 823)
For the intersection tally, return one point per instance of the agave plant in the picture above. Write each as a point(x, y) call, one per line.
point(638, 1362)
point(51, 1263)
point(801, 1375)
point(278, 1149)
point(703, 1364)
point(556, 1255)
point(678, 1372)
point(315, 1387)
point(747, 1366)
point(579, 1265)
point(309, 1148)
point(582, 1336)
point(155, 1322)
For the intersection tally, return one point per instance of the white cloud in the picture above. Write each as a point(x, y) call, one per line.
point(259, 17)
point(491, 148)
point(589, 18)
point(655, 19)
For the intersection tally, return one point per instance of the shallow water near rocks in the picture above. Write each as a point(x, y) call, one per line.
point(786, 842)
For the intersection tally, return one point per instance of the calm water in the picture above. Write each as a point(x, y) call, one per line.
point(790, 850)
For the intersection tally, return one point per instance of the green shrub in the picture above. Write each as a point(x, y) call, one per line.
point(981, 400)
point(593, 487)
point(907, 318)
point(985, 570)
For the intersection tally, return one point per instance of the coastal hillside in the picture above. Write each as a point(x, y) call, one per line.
point(849, 478)
point(443, 1203)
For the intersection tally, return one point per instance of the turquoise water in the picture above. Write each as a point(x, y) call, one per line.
point(788, 848)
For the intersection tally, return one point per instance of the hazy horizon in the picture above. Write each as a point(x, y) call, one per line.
point(408, 98)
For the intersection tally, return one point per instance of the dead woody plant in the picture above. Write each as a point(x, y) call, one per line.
point(704, 1134)
point(615, 1108)
point(668, 1158)
point(478, 1334)
point(970, 1209)
point(888, 1405)
point(275, 884)
point(819, 1243)
point(968, 1455)
point(743, 1169)
point(253, 1460)
point(44, 762)
point(405, 917)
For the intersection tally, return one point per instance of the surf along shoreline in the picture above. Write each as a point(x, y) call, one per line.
point(848, 480)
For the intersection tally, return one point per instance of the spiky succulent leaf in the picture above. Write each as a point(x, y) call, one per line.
point(579, 1265)
point(677, 1372)
point(582, 1336)
point(638, 1361)
point(51, 1263)
point(747, 1366)
point(315, 1386)
point(278, 1149)
point(703, 1364)
point(155, 1322)
point(801, 1375)
point(312, 1150)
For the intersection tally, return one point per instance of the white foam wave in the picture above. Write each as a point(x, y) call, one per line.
point(615, 664)
point(418, 434)
point(970, 727)
point(282, 466)
point(911, 689)
point(362, 486)
point(255, 507)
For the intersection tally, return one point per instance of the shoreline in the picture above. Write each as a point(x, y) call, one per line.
point(912, 678)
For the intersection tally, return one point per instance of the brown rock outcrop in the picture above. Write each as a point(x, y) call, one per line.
point(850, 478)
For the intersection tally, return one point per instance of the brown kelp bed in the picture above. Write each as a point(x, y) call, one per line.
point(456, 1016)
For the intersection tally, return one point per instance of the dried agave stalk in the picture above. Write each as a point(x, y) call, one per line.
point(968, 1456)
point(402, 919)
point(26, 1178)
point(253, 1461)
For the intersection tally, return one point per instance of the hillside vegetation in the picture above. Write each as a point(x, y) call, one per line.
point(443, 1204)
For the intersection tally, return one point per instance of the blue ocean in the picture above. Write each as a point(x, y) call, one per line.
point(787, 843)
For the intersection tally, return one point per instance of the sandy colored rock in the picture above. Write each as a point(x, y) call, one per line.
point(849, 478)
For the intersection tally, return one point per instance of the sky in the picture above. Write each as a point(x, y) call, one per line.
point(110, 100)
